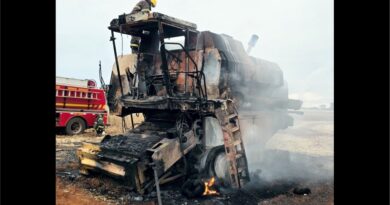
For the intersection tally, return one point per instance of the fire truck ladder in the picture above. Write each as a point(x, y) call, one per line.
point(234, 147)
point(76, 94)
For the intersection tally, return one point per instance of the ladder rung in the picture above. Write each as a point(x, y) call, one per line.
point(235, 129)
point(239, 152)
point(240, 169)
point(79, 97)
point(237, 142)
point(232, 116)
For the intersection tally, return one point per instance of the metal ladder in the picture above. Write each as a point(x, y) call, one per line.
point(234, 147)
point(77, 94)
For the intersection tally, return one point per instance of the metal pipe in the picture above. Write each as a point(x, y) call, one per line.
point(136, 78)
point(157, 183)
point(187, 61)
point(164, 63)
point(116, 61)
point(132, 122)
point(252, 42)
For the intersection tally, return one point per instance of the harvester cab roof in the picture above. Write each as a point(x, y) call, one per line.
point(173, 27)
point(155, 29)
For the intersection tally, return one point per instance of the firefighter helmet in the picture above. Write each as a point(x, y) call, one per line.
point(153, 2)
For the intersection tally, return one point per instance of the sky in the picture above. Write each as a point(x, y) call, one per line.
point(295, 34)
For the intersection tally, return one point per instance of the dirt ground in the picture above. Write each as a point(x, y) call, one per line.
point(71, 194)
point(308, 145)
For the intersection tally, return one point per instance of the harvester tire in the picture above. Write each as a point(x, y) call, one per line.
point(75, 126)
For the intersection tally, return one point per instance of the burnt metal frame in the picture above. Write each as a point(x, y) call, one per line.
point(164, 66)
point(164, 63)
point(197, 72)
point(116, 60)
point(119, 75)
point(187, 38)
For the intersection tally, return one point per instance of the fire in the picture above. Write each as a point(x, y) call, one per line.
point(208, 187)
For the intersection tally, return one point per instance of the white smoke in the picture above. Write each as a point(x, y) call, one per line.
point(310, 99)
point(303, 151)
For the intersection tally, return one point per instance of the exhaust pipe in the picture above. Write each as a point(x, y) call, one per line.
point(252, 42)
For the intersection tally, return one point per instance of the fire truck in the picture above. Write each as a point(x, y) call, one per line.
point(78, 103)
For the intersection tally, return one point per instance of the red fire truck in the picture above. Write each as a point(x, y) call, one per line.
point(78, 102)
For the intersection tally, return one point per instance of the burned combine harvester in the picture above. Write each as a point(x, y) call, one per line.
point(187, 85)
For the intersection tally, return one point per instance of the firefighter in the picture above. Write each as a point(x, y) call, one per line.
point(141, 6)
point(99, 125)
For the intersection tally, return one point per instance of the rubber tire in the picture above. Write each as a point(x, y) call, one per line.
point(68, 128)
point(210, 161)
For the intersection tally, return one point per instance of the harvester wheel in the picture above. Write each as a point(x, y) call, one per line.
point(75, 126)
point(217, 165)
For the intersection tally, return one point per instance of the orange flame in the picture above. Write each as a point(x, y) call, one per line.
point(208, 187)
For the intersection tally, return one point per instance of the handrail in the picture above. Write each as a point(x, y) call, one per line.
point(185, 50)
point(177, 58)
point(204, 94)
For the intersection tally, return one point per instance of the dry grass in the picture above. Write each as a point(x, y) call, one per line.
point(114, 127)
point(115, 123)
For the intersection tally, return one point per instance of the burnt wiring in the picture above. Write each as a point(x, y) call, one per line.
point(179, 126)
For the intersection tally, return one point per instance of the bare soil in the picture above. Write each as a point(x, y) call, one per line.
point(67, 193)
